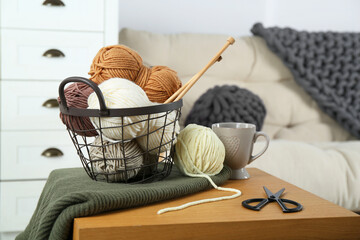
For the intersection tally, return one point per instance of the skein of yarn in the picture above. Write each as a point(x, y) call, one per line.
point(159, 82)
point(117, 61)
point(108, 159)
point(200, 153)
point(199, 150)
point(162, 83)
point(120, 93)
point(76, 96)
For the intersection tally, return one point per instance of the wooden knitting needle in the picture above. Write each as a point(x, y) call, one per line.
point(184, 89)
point(172, 97)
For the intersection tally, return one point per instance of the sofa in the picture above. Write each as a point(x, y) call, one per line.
point(307, 148)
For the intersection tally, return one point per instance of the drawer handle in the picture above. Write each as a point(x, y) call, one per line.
point(57, 3)
point(51, 103)
point(52, 152)
point(53, 53)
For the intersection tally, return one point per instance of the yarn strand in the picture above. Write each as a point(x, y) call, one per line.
point(237, 194)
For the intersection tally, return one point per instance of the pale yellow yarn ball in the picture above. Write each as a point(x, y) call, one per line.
point(199, 150)
point(160, 135)
point(120, 93)
point(110, 160)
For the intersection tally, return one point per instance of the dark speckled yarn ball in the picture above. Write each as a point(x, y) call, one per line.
point(227, 104)
point(76, 96)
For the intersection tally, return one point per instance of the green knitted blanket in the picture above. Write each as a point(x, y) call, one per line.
point(70, 193)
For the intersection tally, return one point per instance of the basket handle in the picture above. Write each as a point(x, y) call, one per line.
point(103, 110)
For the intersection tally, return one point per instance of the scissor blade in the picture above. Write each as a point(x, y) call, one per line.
point(278, 194)
point(268, 192)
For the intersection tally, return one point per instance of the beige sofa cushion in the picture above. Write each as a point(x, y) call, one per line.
point(291, 113)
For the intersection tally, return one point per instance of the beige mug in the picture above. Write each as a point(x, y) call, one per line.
point(239, 139)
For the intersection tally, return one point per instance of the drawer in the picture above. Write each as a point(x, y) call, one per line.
point(22, 109)
point(18, 203)
point(33, 14)
point(25, 155)
point(66, 54)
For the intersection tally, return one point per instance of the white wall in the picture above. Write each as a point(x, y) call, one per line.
point(236, 17)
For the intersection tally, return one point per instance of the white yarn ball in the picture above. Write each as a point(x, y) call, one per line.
point(115, 165)
point(199, 150)
point(160, 135)
point(120, 93)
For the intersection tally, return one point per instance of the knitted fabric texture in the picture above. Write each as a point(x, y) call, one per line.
point(227, 104)
point(70, 193)
point(326, 65)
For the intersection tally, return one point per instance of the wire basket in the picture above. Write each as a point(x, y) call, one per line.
point(129, 163)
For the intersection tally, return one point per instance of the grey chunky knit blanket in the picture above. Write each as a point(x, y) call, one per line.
point(326, 65)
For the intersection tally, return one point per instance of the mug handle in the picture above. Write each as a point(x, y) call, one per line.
point(258, 134)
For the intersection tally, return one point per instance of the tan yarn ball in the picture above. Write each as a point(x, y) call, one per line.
point(159, 82)
point(114, 164)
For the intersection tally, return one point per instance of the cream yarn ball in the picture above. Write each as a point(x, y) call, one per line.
point(159, 135)
point(200, 153)
point(199, 150)
point(114, 158)
point(120, 93)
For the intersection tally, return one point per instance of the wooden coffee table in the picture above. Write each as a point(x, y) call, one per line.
point(227, 219)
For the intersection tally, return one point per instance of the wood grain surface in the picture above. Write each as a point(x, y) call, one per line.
point(227, 219)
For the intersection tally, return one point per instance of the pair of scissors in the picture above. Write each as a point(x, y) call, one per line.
point(272, 198)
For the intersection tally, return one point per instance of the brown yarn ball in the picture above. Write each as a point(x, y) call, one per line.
point(76, 96)
point(158, 82)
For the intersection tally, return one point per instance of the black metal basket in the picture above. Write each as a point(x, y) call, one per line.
point(156, 163)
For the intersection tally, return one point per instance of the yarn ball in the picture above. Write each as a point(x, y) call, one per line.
point(199, 150)
point(160, 136)
point(200, 153)
point(159, 82)
point(76, 96)
point(107, 158)
point(227, 104)
point(120, 93)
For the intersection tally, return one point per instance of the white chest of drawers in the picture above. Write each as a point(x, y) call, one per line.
point(42, 42)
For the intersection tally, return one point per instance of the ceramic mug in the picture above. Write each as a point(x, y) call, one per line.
point(239, 139)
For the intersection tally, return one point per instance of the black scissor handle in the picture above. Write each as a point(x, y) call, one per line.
point(298, 207)
point(262, 202)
